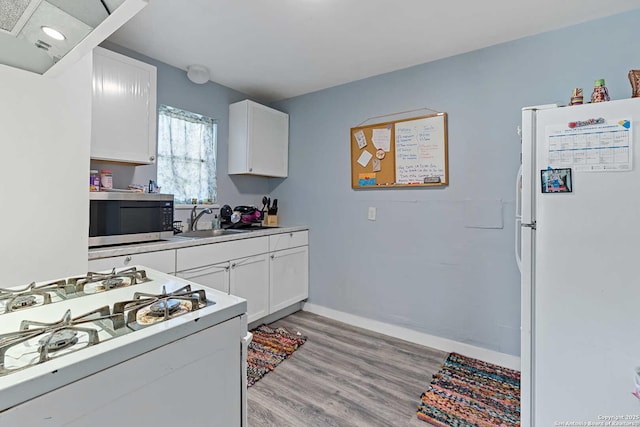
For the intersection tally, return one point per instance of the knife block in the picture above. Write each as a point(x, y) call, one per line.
point(271, 220)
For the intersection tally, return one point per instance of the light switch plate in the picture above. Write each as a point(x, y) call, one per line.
point(372, 214)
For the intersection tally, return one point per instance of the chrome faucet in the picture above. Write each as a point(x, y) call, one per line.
point(195, 218)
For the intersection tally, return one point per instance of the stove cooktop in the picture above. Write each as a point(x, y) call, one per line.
point(67, 329)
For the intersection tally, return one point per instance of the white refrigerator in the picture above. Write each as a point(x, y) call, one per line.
point(578, 248)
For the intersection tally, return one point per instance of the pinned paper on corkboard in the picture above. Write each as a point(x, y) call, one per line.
point(366, 179)
point(376, 165)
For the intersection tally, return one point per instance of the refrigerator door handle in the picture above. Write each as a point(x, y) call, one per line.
point(518, 243)
point(518, 231)
point(519, 193)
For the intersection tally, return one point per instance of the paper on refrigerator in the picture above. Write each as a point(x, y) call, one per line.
point(599, 147)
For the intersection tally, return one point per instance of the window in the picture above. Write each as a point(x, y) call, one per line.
point(186, 155)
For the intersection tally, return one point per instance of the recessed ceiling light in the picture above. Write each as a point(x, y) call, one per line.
point(54, 34)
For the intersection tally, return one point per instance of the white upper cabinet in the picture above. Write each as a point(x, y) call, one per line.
point(258, 140)
point(124, 109)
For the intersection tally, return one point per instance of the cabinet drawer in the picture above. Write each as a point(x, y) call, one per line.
point(198, 256)
point(164, 261)
point(213, 276)
point(282, 241)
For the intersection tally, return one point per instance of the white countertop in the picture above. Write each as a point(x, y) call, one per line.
point(177, 242)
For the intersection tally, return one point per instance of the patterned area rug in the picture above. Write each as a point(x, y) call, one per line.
point(470, 392)
point(268, 348)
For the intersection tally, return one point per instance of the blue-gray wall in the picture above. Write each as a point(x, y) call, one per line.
point(209, 99)
point(421, 265)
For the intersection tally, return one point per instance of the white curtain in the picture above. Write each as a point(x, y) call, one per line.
point(186, 155)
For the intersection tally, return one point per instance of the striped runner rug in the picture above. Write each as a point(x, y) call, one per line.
point(268, 348)
point(470, 392)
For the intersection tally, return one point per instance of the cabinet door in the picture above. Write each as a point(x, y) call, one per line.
point(163, 261)
point(124, 109)
point(258, 140)
point(213, 276)
point(268, 141)
point(250, 280)
point(288, 277)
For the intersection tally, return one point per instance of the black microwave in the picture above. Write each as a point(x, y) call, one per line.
point(119, 217)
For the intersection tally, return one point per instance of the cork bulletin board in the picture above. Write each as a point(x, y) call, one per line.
point(401, 153)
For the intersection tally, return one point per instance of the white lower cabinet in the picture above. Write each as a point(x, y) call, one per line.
point(238, 267)
point(288, 277)
point(164, 261)
point(249, 279)
point(270, 272)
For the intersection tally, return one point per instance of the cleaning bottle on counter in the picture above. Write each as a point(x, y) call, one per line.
point(215, 224)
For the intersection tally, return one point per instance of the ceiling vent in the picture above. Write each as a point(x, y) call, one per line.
point(10, 13)
point(25, 44)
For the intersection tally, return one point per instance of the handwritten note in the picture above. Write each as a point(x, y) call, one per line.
point(420, 150)
point(382, 138)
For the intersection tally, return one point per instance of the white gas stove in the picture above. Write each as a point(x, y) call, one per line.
point(156, 341)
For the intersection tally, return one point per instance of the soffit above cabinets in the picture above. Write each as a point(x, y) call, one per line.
point(24, 45)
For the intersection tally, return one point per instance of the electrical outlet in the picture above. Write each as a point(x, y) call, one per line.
point(372, 213)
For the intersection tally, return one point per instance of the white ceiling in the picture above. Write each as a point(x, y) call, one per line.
point(276, 49)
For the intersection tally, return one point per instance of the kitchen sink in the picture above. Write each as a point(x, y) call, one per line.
point(200, 234)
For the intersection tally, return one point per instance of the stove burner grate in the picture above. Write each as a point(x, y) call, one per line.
point(31, 295)
point(145, 309)
point(100, 282)
point(51, 338)
point(34, 295)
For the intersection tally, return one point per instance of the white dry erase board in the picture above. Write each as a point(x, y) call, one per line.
point(401, 153)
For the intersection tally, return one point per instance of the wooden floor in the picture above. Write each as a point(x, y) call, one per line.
point(343, 376)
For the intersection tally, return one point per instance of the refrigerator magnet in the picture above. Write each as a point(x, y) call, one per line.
point(556, 180)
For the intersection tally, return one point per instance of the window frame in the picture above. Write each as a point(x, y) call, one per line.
point(207, 155)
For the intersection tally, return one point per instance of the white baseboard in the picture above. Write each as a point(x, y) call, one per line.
point(443, 344)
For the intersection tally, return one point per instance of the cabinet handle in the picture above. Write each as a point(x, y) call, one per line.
point(273, 256)
point(250, 169)
point(127, 260)
point(152, 158)
point(226, 268)
point(233, 265)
